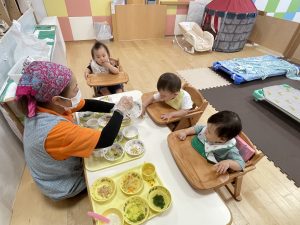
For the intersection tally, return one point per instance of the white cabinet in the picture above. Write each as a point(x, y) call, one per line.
point(59, 49)
point(7, 46)
point(11, 153)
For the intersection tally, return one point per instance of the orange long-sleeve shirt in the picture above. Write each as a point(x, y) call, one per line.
point(67, 139)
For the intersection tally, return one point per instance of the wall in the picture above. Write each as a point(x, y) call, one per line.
point(273, 33)
point(175, 15)
point(283, 9)
point(76, 17)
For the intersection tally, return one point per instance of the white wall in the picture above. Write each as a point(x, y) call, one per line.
point(11, 169)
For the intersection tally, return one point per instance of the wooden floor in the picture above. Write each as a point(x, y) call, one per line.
point(268, 196)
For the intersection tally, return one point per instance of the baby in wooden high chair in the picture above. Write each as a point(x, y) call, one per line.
point(216, 142)
point(170, 92)
point(101, 63)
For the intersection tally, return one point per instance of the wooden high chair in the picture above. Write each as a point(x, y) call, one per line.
point(107, 79)
point(201, 174)
point(156, 109)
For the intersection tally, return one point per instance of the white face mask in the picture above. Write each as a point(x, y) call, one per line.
point(75, 100)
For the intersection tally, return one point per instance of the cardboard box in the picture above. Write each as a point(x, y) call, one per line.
point(13, 9)
point(4, 13)
point(142, 2)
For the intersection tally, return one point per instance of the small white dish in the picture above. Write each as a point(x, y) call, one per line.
point(103, 120)
point(130, 132)
point(92, 123)
point(100, 152)
point(134, 147)
point(119, 137)
point(106, 99)
point(135, 111)
point(114, 153)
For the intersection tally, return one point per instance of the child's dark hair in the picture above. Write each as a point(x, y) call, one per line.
point(169, 82)
point(98, 45)
point(228, 124)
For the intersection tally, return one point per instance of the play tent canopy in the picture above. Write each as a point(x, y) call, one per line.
point(231, 22)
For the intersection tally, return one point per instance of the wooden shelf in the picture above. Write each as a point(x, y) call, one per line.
point(173, 3)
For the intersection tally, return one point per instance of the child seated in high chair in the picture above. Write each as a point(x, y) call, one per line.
point(216, 141)
point(170, 92)
point(101, 63)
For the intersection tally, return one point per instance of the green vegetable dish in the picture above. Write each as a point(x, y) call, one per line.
point(159, 201)
point(136, 210)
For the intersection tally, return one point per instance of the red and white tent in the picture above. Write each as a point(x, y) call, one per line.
point(231, 22)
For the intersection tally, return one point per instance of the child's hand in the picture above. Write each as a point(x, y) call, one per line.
point(143, 111)
point(166, 116)
point(181, 135)
point(87, 72)
point(222, 167)
point(106, 64)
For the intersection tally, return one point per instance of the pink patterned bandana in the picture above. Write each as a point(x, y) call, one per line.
point(41, 81)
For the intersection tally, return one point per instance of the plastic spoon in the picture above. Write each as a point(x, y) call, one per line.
point(98, 217)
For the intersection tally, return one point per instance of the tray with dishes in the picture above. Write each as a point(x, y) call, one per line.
point(131, 197)
point(127, 146)
point(123, 150)
point(96, 120)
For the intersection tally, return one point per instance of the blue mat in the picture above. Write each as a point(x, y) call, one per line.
point(243, 70)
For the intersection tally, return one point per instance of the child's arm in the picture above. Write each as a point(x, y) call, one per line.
point(147, 102)
point(87, 72)
point(224, 165)
point(233, 161)
point(112, 69)
point(182, 134)
point(179, 113)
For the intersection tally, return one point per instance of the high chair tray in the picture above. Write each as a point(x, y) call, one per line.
point(107, 79)
point(197, 170)
point(155, 110)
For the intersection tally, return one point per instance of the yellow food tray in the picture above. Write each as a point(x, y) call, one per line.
point(119, 197)
point(96, 163)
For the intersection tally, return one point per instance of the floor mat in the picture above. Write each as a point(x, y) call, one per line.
point(272, 131)
point(203, 78)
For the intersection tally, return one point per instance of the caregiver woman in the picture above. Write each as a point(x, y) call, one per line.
point(53, 143)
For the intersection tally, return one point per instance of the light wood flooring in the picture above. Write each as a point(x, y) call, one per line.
point(268, 196)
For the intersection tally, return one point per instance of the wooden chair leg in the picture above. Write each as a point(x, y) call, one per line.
point(235, 187)
point(182, 124)
point(96, 94)
point(172, 126)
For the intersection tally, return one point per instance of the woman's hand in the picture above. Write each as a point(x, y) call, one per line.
point(125, 104)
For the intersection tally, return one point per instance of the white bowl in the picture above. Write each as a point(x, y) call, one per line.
point(103, 120)
point(134, 147)
point(119, 137)
point(135, 111)
point(92, 123)
point(100, 152)
point(130, 132)
point(106, 99)
point(117, 149)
